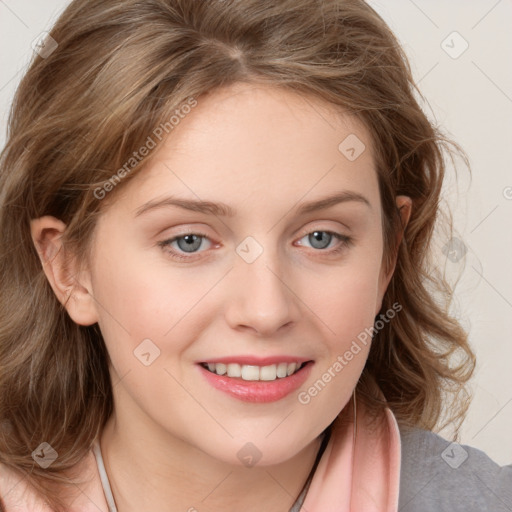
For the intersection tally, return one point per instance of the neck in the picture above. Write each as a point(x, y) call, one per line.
point(149, 472)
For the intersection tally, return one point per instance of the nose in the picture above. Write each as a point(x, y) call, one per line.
point(262, 300)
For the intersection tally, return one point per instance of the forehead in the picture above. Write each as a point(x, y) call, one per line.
point(253, 144)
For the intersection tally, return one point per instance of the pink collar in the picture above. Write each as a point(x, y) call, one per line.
point(359, 470)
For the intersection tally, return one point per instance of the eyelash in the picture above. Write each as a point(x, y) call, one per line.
point(345, 242)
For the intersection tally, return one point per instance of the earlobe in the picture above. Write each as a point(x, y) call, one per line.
point(71, 285)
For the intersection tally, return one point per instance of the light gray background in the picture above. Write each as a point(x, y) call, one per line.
point(470, 96)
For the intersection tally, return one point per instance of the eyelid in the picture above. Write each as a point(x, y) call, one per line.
point(182, 234)
point(308, 230)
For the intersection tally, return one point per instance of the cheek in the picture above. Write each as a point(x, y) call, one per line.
point(347, 300)
point(349, 317)
point(346, 308)
point(142, 297)
point(145, 319)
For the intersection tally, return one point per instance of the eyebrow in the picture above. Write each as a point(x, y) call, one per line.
point(223, 210)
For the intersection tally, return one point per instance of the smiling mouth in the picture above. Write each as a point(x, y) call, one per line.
point(248, 372)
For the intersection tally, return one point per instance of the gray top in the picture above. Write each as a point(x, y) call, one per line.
point(437, 475)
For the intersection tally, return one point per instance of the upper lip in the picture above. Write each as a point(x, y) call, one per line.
point(257, 361)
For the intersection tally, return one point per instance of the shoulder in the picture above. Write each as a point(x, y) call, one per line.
point(17, 496)
point(438, 475)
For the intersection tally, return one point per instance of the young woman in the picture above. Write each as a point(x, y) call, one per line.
point(215, 272)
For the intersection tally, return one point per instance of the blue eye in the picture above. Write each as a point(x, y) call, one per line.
point(188, 243)
point(183, 247)
point(321, 239)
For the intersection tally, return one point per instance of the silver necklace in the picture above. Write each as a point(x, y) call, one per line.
point(109, 497)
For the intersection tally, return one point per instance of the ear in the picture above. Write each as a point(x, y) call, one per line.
point(404, 205)
point(71, 285)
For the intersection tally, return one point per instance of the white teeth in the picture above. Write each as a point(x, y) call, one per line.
point(234, 370)
point(282, 369)
point(220, 368)
point(251, 373)
point(268, 372)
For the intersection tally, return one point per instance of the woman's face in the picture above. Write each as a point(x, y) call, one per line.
point(267, 283)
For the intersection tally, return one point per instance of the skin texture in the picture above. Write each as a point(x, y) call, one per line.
point(173, 439)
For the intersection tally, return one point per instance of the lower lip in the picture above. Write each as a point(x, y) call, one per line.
point(258, 391)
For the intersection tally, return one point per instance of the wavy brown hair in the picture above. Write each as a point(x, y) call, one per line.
point(121, 68)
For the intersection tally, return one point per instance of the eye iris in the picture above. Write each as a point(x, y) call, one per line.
point(317, 236)
point(193, 242)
